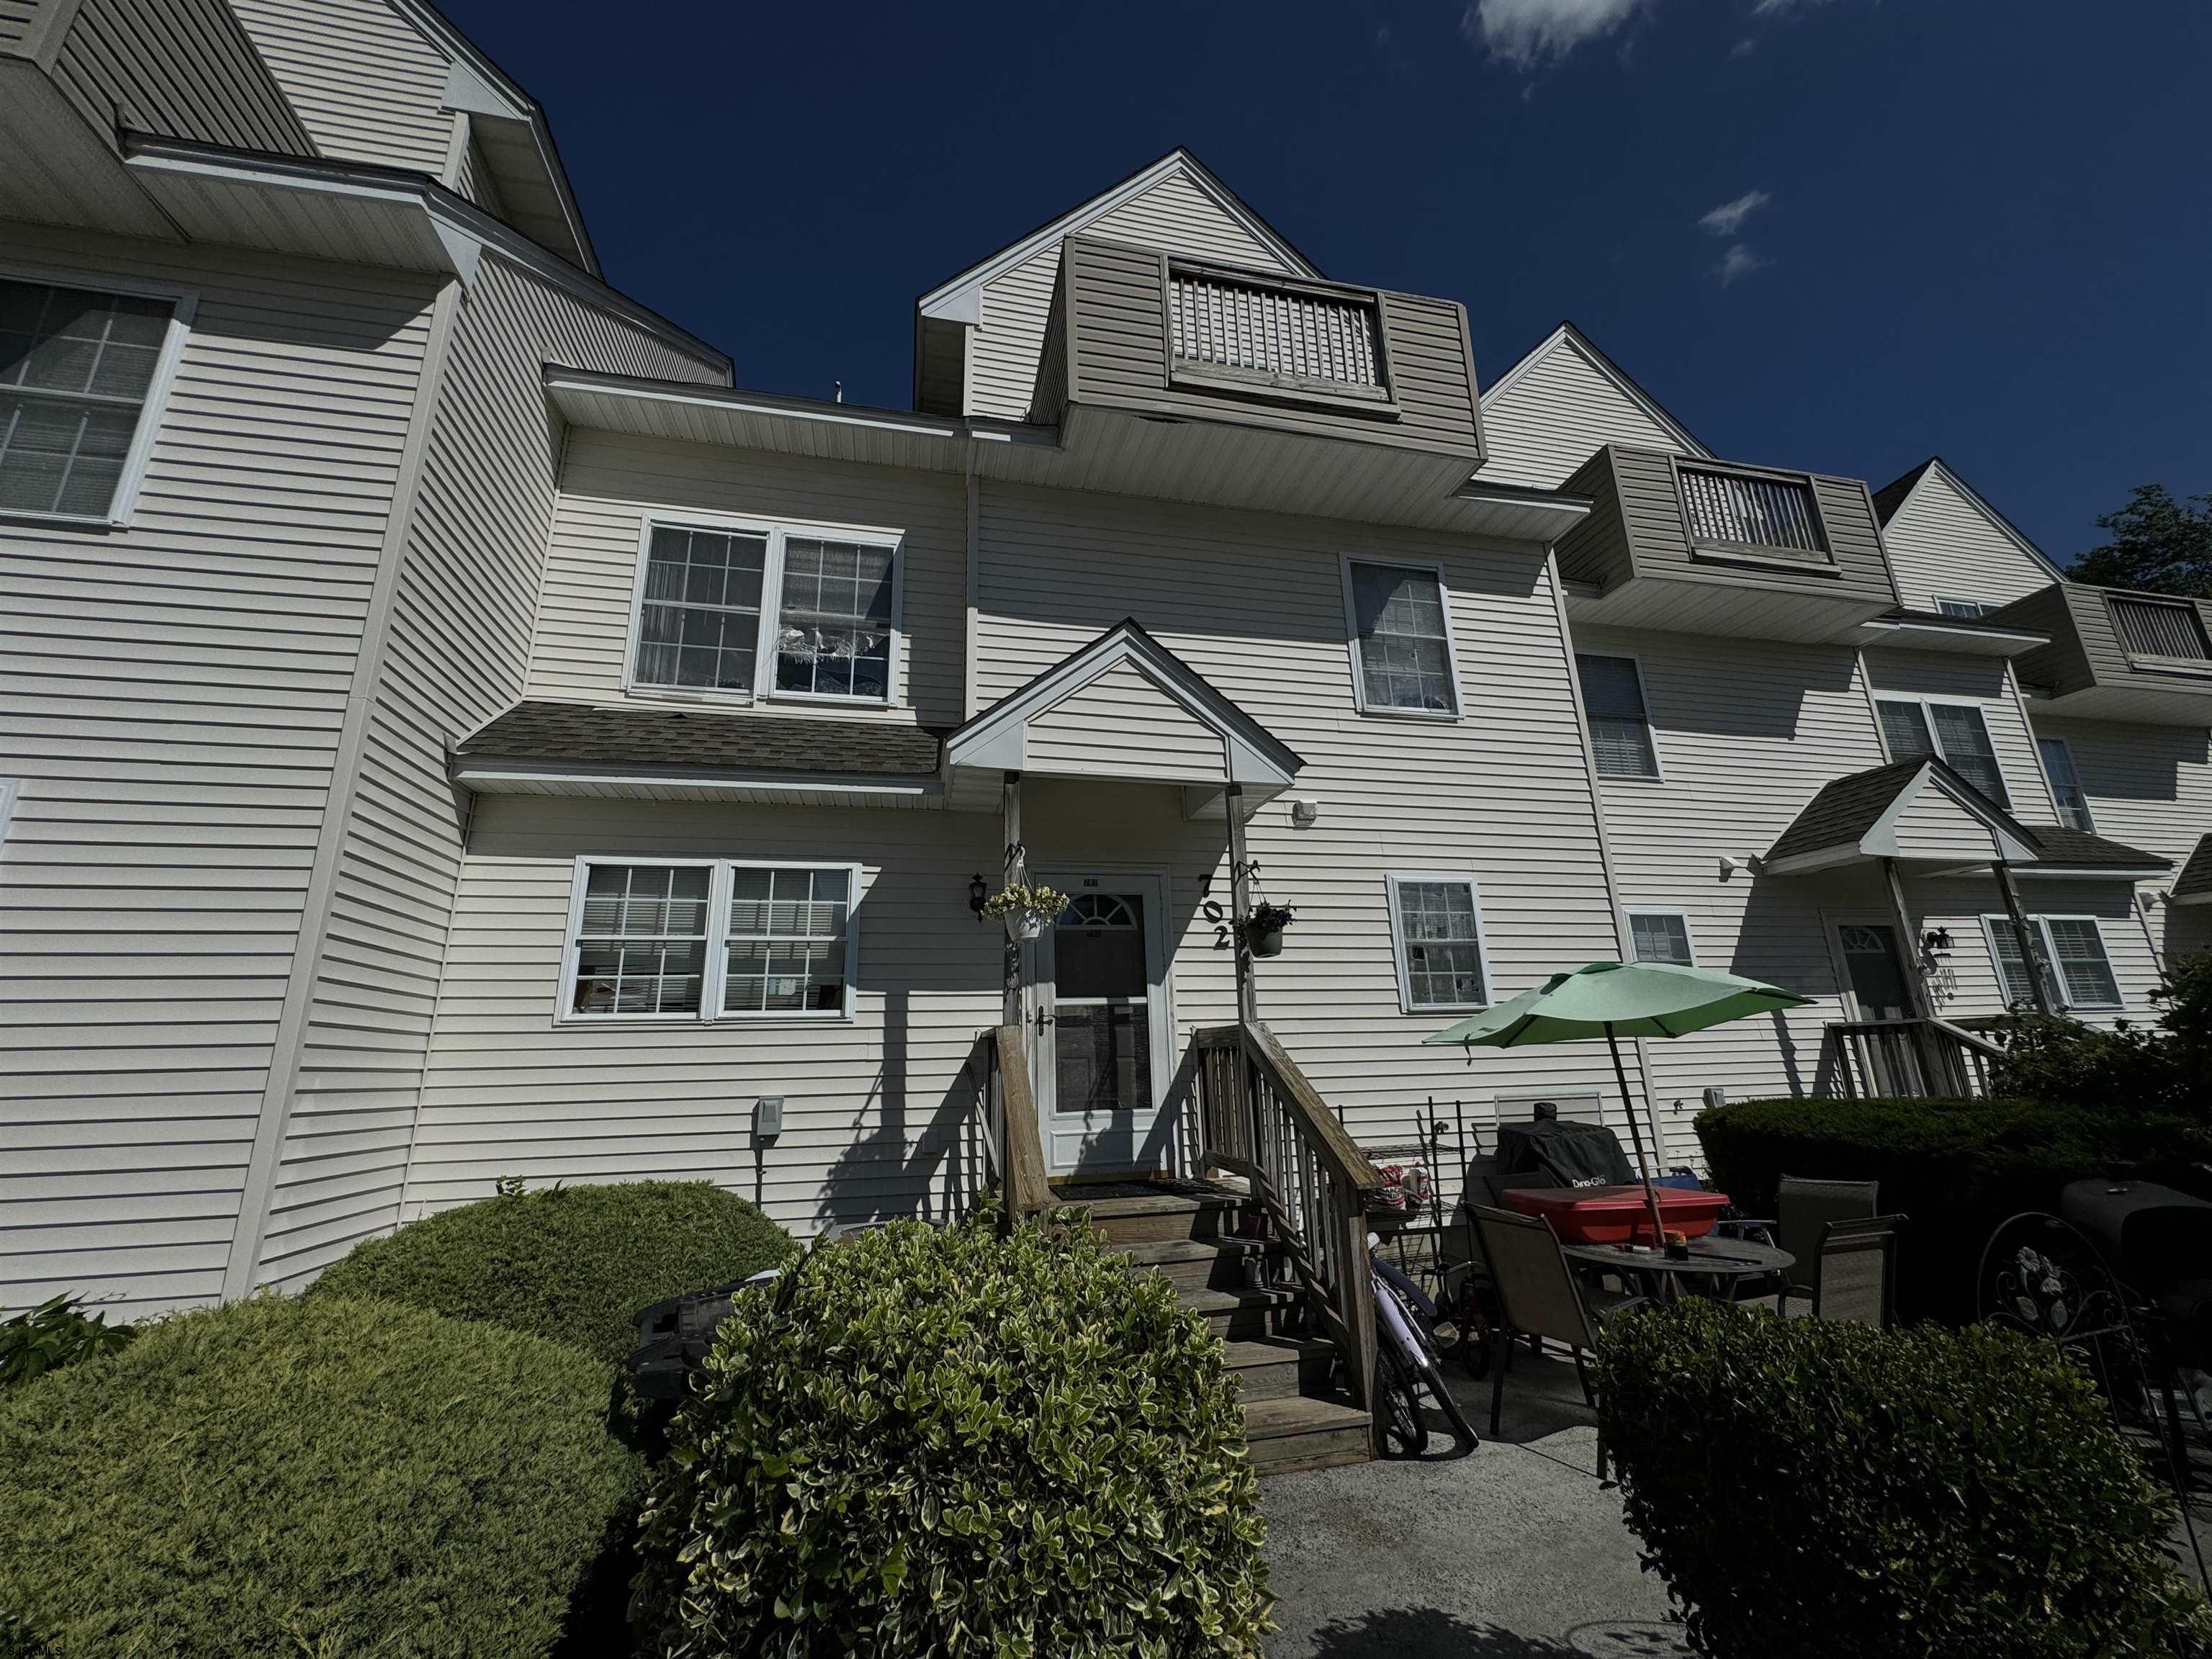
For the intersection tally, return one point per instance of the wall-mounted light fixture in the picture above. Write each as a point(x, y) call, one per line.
point(1936, 941)
point(1304, 814)
point(978, 891)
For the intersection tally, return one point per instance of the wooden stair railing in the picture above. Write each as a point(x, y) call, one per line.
point(1259, 1117)
point(1903, 1058)
point(1013, 1154)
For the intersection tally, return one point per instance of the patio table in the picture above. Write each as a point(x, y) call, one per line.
point(1722, 1263)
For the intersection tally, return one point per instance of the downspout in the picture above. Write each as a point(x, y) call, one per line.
point(2031, 944)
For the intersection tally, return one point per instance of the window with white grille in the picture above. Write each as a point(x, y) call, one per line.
point(2078, 973)
point(1436, 926)
point(1964, 610)
point(2065, 783)
point(1750, 510)
point(1660, 936)
point(1402, 646)
point(1955, 732)
point(699, 938)
point(82, 375)
point(2160, 628)
point(1619, 725)
point(1290, 335)
point(766, 609)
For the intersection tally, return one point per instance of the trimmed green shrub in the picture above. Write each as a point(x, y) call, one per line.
point(307, 1477)
point(55, 1333)
point(952, 1442)
point(572, 1264)
point(2161, 1072)
point(1956, 1167)
point(1834, 1491)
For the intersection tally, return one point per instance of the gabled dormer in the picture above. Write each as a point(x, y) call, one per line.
point(1954, 554)
point(1546, 415)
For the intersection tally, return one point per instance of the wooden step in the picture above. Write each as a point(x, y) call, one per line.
point(1287, 1435)
point(1216, 1262)
point(1238, 1314)
point(1172, 1215)
point(1280, 1367)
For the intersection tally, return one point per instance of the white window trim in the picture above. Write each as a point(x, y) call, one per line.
point(718, 954)
point(775, 530)
point(2088, 811)
point(1982, 607)
point(1392, 881)
point(185, 302)
point(1689, 934)
point(1927, 704)
point(1345, 561)
point(1650, 730)
point(2057, 982)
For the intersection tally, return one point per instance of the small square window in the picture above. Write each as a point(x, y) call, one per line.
point(1660, 936)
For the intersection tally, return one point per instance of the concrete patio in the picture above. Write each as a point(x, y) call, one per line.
point(1514, 1551)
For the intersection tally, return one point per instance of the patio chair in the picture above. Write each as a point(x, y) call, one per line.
point(1539, 1297)
point(1855, 1283)
point(1803, 1209)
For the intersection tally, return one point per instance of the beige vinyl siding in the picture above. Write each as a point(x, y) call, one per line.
point(1984, 682)
point(15, 21)
point(1747, 733)
point(1174, 214)
point(2148, 787)
point(612, 483)
point(1943, 547)
point(366, 83)
point(1544, 426)
point(1254, 604)
point(175, 691)
point(1966, 983)
point(457, 652)
point(473, 179)
point(1122, 724)
point(183, 69)
point(1934, 826)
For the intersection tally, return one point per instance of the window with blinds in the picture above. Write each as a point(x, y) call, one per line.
point(1952, 732)
point(1750, 510)
point(2071, 949)
point(2159, 628)
point(77, 368)
point(2065, 784)
point(1620, 725)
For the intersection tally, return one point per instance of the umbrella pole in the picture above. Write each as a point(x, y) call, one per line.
point(1635, 1133)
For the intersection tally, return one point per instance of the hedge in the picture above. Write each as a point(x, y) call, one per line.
point(1956, 1167)
point(942, 1441)
point(307, 1477)
point(1835, 1491)
point(572, 1264)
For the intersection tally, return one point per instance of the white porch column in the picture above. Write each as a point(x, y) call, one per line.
point(1013, 870)
point(1240, 906)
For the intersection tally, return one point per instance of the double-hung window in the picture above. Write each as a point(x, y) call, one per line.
point(1619, 725)
point(693, 938)
point(2073, 952)
point(1660, 936)
point(82, 371)
point(768, 610)
point(1436, 924)
point(1964, 610)
point(1954, 731)
point(1401, 649)
point(2065, 783)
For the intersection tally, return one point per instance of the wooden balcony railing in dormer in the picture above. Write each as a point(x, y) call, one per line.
point(1751, 510)
point(2168, 630)
point(1288, 336)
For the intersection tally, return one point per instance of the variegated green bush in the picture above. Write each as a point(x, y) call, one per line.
point(946, 1442)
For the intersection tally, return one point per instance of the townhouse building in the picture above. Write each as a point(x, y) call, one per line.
point(452, 732)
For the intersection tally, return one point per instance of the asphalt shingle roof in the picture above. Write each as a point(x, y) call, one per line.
point(2078, 849)
point(2195, 876)
point(1845, 809)
point(1891, 495)
point(589, 736)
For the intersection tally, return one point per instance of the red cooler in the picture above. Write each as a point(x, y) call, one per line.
point(1616, 1215)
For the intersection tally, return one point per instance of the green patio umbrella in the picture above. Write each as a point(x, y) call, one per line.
point(1615, 1000)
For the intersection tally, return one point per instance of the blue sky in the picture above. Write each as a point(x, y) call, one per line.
point(1981, 227)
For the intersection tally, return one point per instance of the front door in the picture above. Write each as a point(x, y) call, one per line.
point(1873, 972)
point(1104, 1027)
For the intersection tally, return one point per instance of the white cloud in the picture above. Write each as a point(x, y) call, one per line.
point(1775, 7)
point(1744, 47)
point(1526, 33)
point(1740, 260)
point(1728, 218)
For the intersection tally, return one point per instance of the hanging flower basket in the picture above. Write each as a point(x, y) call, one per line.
point(1263, 929)
point(1025, 909)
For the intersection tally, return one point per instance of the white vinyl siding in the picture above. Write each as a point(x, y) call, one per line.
point(1943, 546)
point(83, 374)
point(365, 81)
point(1556, 415)
point(1620, 722)
point(1436, 924)
point(2073, 947)
point(769, 610)
point(1402, 648)
point(1955, 732)
point(1661, 936)
point(2065, 783)
point(728, 940)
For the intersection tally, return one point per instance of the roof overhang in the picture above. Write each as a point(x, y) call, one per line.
point(490, 774)
point(998, 741)
point(1953, 636)
point(1520, 515)
point(1899, 829)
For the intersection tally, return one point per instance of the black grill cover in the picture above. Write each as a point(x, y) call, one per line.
point(1572, 1154)
point(2150, 1235)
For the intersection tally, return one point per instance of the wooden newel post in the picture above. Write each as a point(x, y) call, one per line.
point(1013, 869)
point(1240, 908)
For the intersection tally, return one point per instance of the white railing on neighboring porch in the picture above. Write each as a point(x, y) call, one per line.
point(1273, 331)
point(1896, 1059)
point(1751, 511)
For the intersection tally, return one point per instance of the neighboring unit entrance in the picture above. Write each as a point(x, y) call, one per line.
point(1874, 973)
point(1104, 1027)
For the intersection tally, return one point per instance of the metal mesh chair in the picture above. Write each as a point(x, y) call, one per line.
point(1803, 1210)
point(1856, 1279)
point(1539, 1296)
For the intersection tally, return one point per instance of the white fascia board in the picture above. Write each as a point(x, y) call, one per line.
point(1574, 339)
point(959, 299)
point(2095, 872)
point(493, 776)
